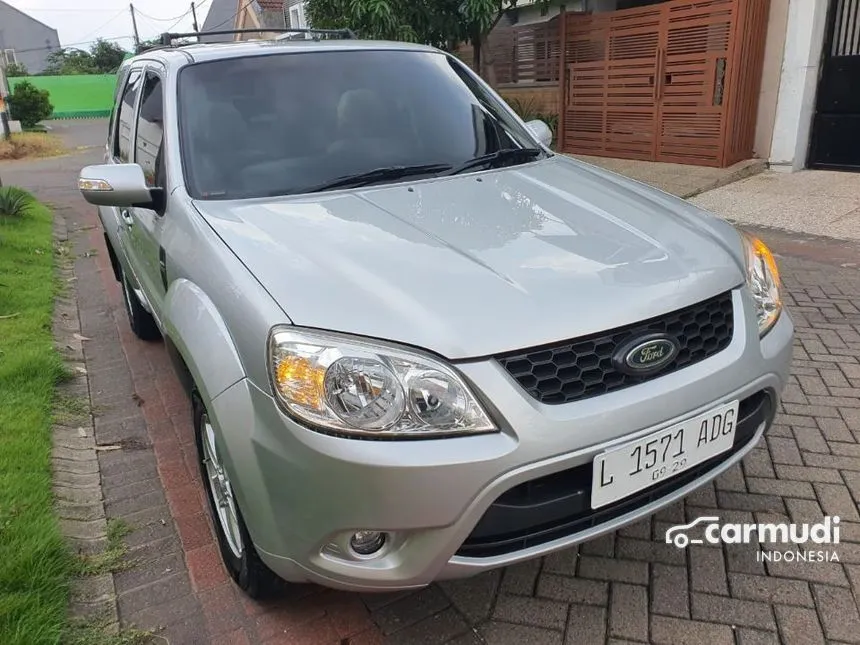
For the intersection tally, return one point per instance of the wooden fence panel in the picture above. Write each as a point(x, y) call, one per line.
point(520, 53)
point(676, 81)
point(610, 108)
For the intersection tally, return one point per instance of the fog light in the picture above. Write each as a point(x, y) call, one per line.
point(367, 542)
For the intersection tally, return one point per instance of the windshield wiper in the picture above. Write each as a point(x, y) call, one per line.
point(494, 157)
point(379, 174)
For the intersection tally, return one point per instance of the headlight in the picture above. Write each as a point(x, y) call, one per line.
point(357, 387)
point(763, 281)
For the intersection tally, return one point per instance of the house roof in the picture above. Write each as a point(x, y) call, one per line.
point(271, 5)
point(6, 5)
point(221, 16)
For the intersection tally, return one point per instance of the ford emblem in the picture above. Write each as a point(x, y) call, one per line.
point(645, 354)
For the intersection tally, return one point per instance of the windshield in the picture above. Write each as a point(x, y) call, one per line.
point(291, 123)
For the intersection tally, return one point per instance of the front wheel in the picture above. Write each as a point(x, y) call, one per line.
point(237, 551)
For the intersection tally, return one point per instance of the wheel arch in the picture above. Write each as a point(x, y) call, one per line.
point(198, 342)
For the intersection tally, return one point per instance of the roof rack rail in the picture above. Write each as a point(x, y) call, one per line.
point(153, 47)
point(167, 38)
point(348, 34)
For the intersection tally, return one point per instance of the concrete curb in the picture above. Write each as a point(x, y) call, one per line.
point(737, 172)
point(77, 483)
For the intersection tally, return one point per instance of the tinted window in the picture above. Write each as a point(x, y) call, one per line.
point(285, 123)
point(122, 148)
point(150, 129)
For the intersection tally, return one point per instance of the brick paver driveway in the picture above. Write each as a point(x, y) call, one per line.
point(626, 587)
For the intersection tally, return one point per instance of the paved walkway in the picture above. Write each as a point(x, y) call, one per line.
point(677, 179)
point(626, 587)
point(812, 201)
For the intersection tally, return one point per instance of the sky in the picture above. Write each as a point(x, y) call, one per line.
point(111, 19)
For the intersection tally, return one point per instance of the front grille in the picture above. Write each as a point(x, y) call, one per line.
point(559, 505)
point(583, 368)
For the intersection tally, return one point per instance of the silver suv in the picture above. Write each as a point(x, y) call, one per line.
point(420, 344)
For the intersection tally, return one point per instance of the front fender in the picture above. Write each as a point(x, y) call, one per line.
point(202, 339)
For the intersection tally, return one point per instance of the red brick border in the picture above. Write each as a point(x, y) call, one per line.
point(148, 414)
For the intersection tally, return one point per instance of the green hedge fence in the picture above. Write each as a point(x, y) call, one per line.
point(76, 97)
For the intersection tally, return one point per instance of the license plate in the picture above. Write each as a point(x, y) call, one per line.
point(625, 470)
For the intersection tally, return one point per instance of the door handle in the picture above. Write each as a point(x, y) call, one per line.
point(658, 85)
point(126, 217)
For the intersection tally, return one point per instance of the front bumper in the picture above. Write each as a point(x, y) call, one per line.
point(303, 493)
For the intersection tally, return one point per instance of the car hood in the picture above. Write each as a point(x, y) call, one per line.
point(478, 264)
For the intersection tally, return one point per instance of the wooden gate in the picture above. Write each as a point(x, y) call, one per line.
point(677, 81)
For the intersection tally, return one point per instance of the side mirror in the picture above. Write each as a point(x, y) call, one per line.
point(541, 131)
point(120, 185)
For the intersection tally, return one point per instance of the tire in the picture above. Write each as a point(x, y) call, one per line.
point(141, 321)
point(238, 554)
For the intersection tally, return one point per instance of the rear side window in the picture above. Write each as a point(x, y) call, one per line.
point(150, 130)
point(122, 145)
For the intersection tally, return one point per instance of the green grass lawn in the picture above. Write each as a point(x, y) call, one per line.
point(35, 564)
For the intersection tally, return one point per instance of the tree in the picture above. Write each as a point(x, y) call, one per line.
point(103, 57)
point(442, 23)
point(67, 62)
point(107, 56)
point(433, 22)
point(147, 44)
point(16, 70)
point(29, 105)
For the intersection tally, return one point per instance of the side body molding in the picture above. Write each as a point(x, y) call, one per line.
point(200, 335)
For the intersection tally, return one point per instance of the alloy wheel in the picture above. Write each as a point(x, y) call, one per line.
point(222, 492)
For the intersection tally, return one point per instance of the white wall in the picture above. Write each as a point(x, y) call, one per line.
point(297, 15)
point(529, 13)
point(797, 84)
point(774, 51)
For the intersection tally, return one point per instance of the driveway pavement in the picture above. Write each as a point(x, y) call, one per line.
point(811, 201)
point(80, 133)
point(625, 587)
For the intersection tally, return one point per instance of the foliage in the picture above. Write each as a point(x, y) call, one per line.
point(98, 632)
point(35, 563)
point(528, 110)
point(442, 23)
point(147, 44)
point(107, 56)
point(29, 105)
point(15, 202)
point(404, 20)
point(14, 70)
point(103, 57)
point(113, 558)
point(65, 62)
point(29, 145)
